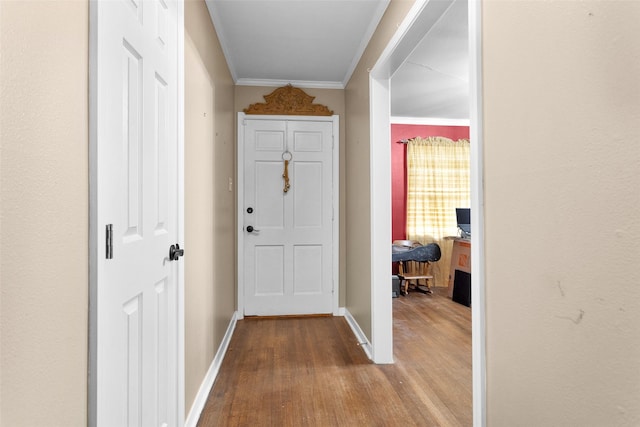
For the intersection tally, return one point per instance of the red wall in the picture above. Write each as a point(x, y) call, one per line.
point(399, 169)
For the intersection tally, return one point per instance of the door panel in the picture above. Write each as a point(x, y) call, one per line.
point(161, 152)
point(133, 331)
point(269, 279)
point(131, 131)
point(288, 256)
point(307, 205)
point(307, 270)
point(269, 203)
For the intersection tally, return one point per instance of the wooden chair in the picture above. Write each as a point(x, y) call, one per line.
point(415, 265)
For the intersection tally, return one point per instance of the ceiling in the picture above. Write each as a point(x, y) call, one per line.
point(318, 43)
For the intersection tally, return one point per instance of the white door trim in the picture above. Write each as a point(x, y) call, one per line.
point(405, 39)
point(94, 228)
point(240, 203)
point(381, 308)
point(478, 313)
point(181, 217)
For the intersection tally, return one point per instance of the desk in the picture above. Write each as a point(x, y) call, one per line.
point(461, 263)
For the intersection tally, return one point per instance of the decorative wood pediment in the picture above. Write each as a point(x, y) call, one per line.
point(289, 100)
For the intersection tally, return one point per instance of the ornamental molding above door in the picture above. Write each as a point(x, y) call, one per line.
point(288, 100)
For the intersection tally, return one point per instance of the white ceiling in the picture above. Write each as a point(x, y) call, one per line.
point(434, 81)
point(318, 43)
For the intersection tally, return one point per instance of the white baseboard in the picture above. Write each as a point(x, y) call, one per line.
point(210, 377)
point(362, 338)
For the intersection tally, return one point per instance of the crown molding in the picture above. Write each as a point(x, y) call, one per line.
point(296, 83)
point(377, 17)
point(217, 26)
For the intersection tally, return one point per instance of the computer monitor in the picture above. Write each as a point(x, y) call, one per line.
point(463, 216)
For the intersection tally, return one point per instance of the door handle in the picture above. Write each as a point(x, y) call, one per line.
point(175, 252)
point(250, 229)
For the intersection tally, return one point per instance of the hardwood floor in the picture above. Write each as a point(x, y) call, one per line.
point(312, 372)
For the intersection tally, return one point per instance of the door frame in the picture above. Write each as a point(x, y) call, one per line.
point(335, 261)
point(96, 232)
point(409, 33)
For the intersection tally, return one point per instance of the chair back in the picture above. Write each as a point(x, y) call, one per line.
point(427, 253)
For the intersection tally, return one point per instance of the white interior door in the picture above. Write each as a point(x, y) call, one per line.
point(135, 298)
point(288, 236)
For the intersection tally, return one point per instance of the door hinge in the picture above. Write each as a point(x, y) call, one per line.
point(109, 241)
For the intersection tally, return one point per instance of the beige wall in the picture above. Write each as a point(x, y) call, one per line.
point(334, 99)
point(358, 219)
point(562, 161)
point(561, 122)
point(209, 205)
point(44, 212)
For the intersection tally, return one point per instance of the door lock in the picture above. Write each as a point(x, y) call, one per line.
point(175, 252)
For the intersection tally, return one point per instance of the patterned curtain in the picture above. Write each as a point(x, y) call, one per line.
point(438, 182)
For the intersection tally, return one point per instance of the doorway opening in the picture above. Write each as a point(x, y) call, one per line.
point(408, 35)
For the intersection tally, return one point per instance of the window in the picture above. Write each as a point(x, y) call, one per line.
point(438, 182)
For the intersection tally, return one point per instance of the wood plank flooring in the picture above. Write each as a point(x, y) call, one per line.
point(312, 372)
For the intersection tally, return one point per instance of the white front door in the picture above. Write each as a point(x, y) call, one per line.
point(135, 296)
point(287, 236)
